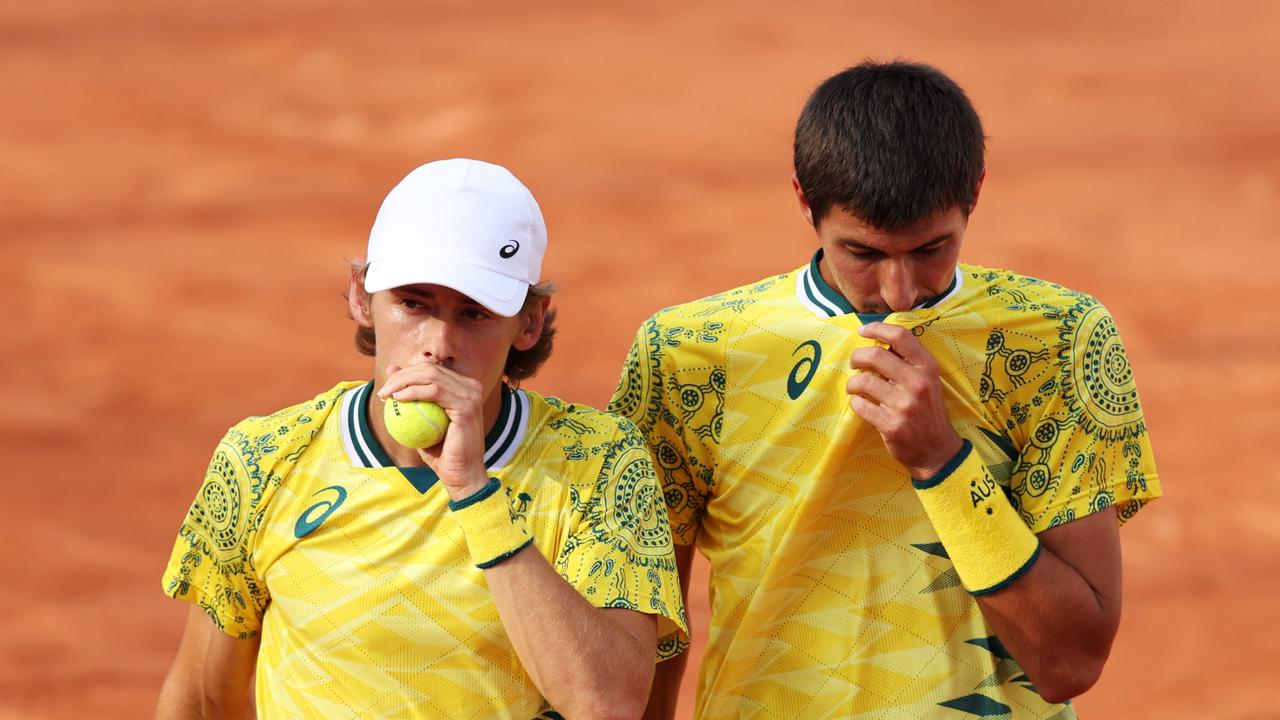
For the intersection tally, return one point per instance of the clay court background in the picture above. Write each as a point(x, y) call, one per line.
point(180, 186)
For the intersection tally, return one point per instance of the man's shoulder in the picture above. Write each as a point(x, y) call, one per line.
point(1029, 304)
point(729, 303)
point(597, 442)
point(590, 448)
point(253, 459)
point(697, 331)
point(262, 441)
point(1019, 291)
point(575, 423)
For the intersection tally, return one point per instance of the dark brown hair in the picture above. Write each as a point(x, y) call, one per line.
point(891, 143)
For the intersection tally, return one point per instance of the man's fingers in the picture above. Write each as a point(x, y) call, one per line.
point(882, 362)
point(879, 416)
point(871, 386)
point(430, 392)
point(449, 393)
point(901, 340)
point(421, 374)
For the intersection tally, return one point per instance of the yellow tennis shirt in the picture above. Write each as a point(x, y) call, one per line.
point(831, 593)
point(359, 581)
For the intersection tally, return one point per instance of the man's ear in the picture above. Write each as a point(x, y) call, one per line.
point(531, 332)
point(977, 191)
point(805, 208)
point(358, 300)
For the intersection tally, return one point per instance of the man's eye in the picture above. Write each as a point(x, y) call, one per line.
point(474, 314)
point(410, 304)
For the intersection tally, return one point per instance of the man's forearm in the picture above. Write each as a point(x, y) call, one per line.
point(211, 677)
point(665, 694)
point(587, 661)
point(1053, 620)
point(1053, 599)
point(667, 677)
point(179, 698)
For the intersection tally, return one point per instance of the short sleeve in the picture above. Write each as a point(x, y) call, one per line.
point(678, 408)
point(620, 554)
point(211, 564)
point(1086, 446)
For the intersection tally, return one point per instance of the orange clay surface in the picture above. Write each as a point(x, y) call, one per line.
point(181, 184)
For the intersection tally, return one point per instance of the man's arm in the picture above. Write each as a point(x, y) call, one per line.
point(211, 676)
point(588, 662)
point(665, 694)
point(1059, 619)
point(1055, 600)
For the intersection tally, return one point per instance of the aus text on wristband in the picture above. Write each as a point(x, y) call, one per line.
point(988, 543)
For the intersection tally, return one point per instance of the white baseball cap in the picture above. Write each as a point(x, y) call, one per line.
point(464, 224)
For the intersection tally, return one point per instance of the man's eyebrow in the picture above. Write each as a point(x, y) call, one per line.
point(850, 242)
point(431, 295)
point(414, 291)
point(941, 238)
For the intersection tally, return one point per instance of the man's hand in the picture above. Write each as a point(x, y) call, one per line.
point(459, 460)
point(898, 390)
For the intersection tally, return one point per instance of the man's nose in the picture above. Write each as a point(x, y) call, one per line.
point(436, 343)
point(897, 285)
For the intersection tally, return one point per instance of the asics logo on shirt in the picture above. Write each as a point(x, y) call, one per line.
point(312, 517)
point(511, 248)
point(804, 369)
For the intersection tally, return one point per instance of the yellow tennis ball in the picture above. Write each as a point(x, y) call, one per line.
point(415, 424)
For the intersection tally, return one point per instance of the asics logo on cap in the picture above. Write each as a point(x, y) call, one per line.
point(464, 224)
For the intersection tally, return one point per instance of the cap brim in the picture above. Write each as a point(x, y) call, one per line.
point(502, 294)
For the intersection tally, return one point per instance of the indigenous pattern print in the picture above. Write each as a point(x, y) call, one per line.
point(833, 594)
point(1069, 398)
point(216, 565)
point(358, 581)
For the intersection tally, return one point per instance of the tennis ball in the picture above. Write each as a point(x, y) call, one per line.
point(415, 424)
